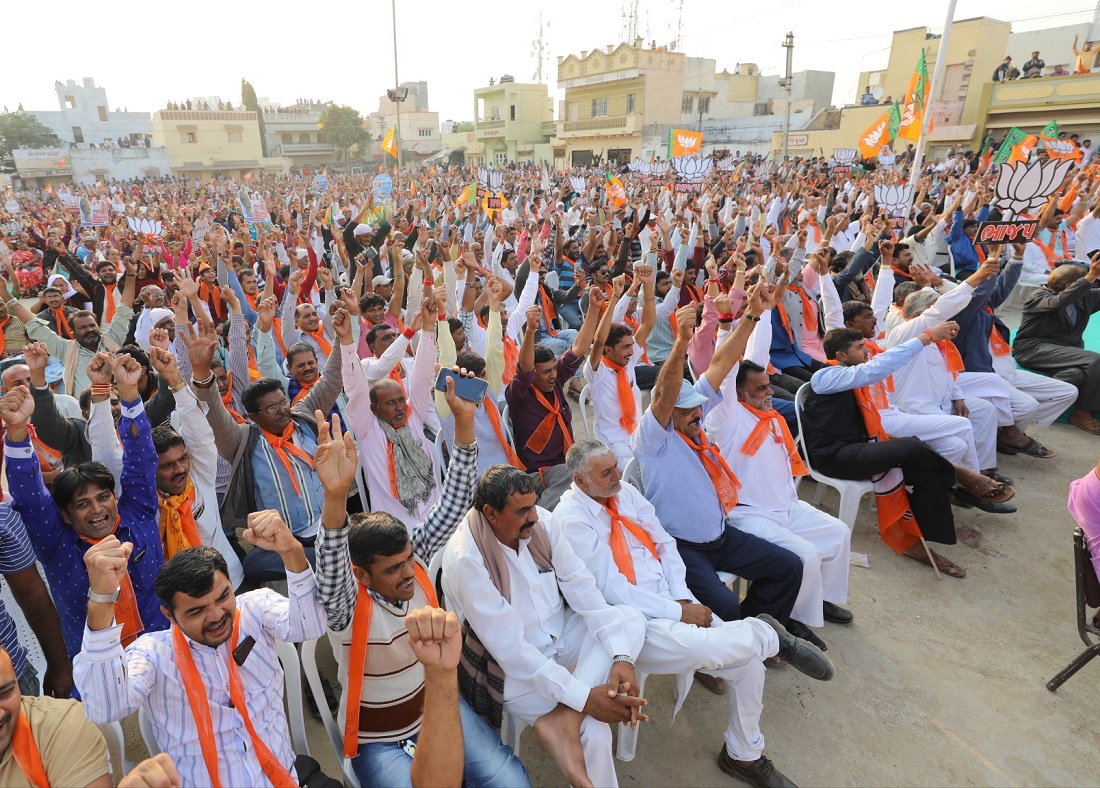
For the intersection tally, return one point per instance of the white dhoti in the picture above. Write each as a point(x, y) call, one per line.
point(820, 540)
point(1036, 399)
point(731, 650)
point(587, 659)
point(950, 436)
point(993, 389)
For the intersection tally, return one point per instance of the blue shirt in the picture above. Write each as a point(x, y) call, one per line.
point(675, 481)
point(16, 554)
point(962, 247)
point(300, 509)
point(61, 549)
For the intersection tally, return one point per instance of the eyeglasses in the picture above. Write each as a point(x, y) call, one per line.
point(275, 408)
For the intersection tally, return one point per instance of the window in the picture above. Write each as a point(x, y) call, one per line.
point(70, 102)
point(188, 137)
point(512, 112)
point(687, 104)
point(704, 104)
point(303, 138)
point(235, 136)
point(630, 110)
point(599, 108)
point(424, 132)
point(288, 139)
point(502, 158)
point(78, 134)
point(494, 113)
point(102, 114)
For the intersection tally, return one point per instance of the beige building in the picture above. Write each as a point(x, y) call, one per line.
point(201, 143)
point(515, 122)
point(419, 128)
point(295, 133)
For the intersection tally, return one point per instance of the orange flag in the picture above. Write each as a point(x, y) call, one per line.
point(876, 137)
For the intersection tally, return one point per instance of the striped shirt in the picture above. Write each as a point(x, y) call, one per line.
point(299, 509)
point(16, 555)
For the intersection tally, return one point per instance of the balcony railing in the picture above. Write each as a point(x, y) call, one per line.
point(485, 125)
point(549, 126)
point(308, 147)
point(597, 124)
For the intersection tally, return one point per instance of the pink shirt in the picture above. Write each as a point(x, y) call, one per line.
point(1084, 505)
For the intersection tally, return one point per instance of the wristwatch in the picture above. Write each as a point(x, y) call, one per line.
point(107, 599)
point(623, 658)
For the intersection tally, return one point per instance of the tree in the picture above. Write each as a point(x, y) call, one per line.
point(20, 130)
point(464, 126)
point(252, 104)
point(343, 127)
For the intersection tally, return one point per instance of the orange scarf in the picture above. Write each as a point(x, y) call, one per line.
point(3, 336)
point(721, 476)
point(253, 367)
point(809, 313)
point(62, 323)
point(319, 338)
point(494, 419)
point(542, 434)
point(549, 313)
point(771, 423)
point(283, 448)
point(980, 251)
point(951, 357)
point(811, 219)
point(629, 419)
point(199, 702)
point(997, 342)
point(26, 754)
point(109, 302)
point(126, 608)
point(511, 360)
point(227, 400)
point(619, 548)
point(1053, 258)
point(303, 390)
point(178, 529)
point(357, 659)
point(213, 298)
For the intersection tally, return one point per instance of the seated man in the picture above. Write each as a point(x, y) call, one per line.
point(374, 577)
point(212, 685)
point(1050, 338)
point(564, 654)
point(83, 508)
point(303, 322)
point(539, 409)
point(47, 741)
point(614, 531)
point(694, 491)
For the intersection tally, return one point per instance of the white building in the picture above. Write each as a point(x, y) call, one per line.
point(85, 116)
point(419, 128)
point(295, 133)
point(38, 167)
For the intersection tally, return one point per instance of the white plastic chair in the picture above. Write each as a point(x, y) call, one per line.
point(506, 425)
point(511, 731)
point(582, 405)
point(335, 735)
point(851, 492)
point(439, 459)
point(116, 749)
point(632, 475)
point(435, 575)
point(147, 734)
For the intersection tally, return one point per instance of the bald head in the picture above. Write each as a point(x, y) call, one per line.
point(15, 375)
point(1064, 275)
point(388, 403)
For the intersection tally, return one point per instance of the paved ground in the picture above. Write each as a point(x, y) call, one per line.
point(938, 682)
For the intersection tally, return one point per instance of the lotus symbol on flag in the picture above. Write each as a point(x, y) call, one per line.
point(1060, 148)
point(893, 197)
point(659, 168)
point(844, 156)
point(636, 166)
point(871, 141)
point(1023, 188)
point(691, 168)
point(726, 164)
point(144, 225)
point(577, 183)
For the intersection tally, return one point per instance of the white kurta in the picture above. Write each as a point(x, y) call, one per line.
point(603, 391)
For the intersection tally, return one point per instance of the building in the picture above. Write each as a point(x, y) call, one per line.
point(37, 168)
point(85, 117)
point(515, 122)
point(295, 133)
point(419, 128)
point(203, 143)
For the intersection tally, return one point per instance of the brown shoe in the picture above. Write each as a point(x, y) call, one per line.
point(712, 683)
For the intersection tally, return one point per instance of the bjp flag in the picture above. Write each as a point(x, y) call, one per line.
point(876, 137)
point(684, 143)
point(389, 143)
point(916, 101)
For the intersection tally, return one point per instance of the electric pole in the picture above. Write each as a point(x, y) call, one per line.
point(788, 44)
point(397, 85)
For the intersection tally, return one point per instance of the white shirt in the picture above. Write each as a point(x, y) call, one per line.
point(115, 683)
point(603, 392)
point(1088, 235)
point(522, 634)
point(658, 583)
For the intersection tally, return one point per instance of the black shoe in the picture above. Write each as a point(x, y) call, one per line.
point(762, 773)
point(800, 630)
point(836, 614)
point(800, 654)
point(961, 497)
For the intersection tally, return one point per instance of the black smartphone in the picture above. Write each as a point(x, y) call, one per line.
point(470, 389)
point(240, 654)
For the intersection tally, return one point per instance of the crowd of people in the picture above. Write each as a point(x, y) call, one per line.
point(345, 417)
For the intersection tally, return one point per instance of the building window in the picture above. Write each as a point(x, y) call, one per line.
point(494, 113)
point(424, 132)
point(502, 158)
point(599, 108)
point(630, 110)
point(102, 114)
point(512, 112)
point(288, 139)
point(188, 137)
point(303, 138)
point(687, 104)
point(704, 104)
point(235, 136)
point(78, 134)
point(70, 102)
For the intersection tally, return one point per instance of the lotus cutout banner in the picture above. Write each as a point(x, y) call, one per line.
point(577, 183)
point(682, 142)
point(894, 198)
point(490, 179)
point(144, 225)
point(843, 159)
point(1020, 191)
point(690, 172)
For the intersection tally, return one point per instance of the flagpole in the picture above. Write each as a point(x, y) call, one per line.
point(926, 115)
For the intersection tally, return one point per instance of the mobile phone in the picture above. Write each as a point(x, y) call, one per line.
point(469, 389)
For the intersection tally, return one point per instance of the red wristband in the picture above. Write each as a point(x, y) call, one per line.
point(725, 318)
point(409, 333)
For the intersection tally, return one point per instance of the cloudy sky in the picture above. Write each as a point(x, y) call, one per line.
point(146, 56)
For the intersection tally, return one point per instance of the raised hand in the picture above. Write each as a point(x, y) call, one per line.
point(324, 274)
point(336, 460)
point(188, 286)
point(164, 362)
point(201, 349)
point(341, 322)
point(267, 531)
point(677, 277)
point(107, 562)
point(127, 372)
point(351, 303)
point(686, 320)
point(99, 369)
point(16, 409)
point(294, 283)
point(436, 637)
point(36, 356)
point(947, 330)
point(265, 313)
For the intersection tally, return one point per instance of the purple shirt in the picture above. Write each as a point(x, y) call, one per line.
point(1084, 505)
point(527, 413)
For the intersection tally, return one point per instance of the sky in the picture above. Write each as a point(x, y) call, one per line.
point(344, 53)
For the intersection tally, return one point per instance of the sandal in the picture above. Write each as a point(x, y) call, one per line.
point(993, 492)
point(946, 566)
point(1036, 449)
point(998, 477)
point(1089, 425)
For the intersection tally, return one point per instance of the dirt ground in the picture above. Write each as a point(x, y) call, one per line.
point(938, 682)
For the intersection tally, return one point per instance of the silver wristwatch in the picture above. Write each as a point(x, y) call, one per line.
point(107, 599)
point(623, 658)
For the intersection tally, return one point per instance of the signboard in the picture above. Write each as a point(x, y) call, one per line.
point(253, 208)
point(320, 184)
point(94, 213)
point(798, 140)
point(1017, 230)
point(383, 188)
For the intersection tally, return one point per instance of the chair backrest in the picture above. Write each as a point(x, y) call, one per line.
point(438, 458)
point(800, 438)
point(435, 574)
point(292, 676)
point(506, 425)
point(582, 405)
point(1086, 572)
point(332, 728)
point(632, 475)
point(35, 656)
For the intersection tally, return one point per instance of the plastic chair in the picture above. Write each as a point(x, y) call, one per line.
point(506, 425)
point(1088, 595)
point(582, 404)
point(439, 459)
point(435, 574)
point(116, 749)
point(511, 731)
point(335, 734)
point(632, 475)
point(851, 492)
point(147, 734)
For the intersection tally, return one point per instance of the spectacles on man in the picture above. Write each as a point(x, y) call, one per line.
point(275, 408)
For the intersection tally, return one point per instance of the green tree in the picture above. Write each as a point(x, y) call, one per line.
point(20, 130)
point(464, 126)
point(252, 104)
point(343, 127)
